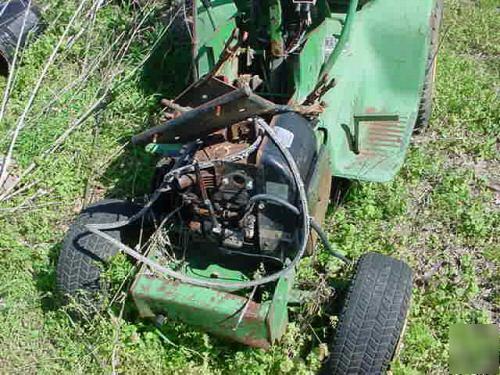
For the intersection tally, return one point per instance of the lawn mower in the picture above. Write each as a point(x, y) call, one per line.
point(287, 99)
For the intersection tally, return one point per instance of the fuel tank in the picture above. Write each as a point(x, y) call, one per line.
point(276, 225)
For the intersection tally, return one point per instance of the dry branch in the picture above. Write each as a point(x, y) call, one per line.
point(22, 118)
point(100, 103)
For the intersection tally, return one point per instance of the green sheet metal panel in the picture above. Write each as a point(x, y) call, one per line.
point(214, 270)
point(225, 314)
point(277, 318)
point(379, 75)
point(214, 26)
point(211, 310)
point(275, 28)
point(317, 49)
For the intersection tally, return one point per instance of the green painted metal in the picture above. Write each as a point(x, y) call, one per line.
point(319, 46)
point(214, 26)
point(378, 71)
point(344, 37)
point(277, 318)
point(215, 270)
point(163, 149)
point(378, 65)
point(211, 310)
point(222, 313)
point(275, 27)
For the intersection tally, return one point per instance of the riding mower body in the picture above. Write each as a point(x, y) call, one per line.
point(284, 96)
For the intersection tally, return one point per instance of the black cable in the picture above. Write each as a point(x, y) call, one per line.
point(274, 199)
point(324, 239)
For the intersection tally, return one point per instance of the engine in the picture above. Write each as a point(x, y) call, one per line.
point(234, 178)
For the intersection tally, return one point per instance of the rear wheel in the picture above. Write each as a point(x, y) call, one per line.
point(373, 317)
point(84, 254)
point(425, 107)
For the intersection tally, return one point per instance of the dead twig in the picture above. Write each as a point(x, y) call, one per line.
point(27, 108)
point(22, 189)
point(96, 106)
point(99, 104)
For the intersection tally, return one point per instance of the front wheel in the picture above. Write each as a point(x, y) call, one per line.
point(84, 254)
point(373, 317)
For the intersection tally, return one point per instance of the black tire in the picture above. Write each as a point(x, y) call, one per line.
point(425, 107)
point(84, 254)
point(372, 318)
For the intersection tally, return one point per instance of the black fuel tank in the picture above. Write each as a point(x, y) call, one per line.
point(276, 225)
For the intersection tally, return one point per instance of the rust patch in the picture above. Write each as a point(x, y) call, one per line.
point(381, 137)
point(162, 288)
point(146, 288)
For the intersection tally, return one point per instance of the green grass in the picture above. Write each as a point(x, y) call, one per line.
point(439, 214)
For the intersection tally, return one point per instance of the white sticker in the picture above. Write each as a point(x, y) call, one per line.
point(330, 44)
point(284, 136)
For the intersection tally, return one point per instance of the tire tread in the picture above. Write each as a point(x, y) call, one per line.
point(83, 253)
point(373, 316)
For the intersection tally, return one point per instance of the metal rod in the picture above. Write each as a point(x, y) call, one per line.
point(245, 308)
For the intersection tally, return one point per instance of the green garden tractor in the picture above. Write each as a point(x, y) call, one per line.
point(287, 100)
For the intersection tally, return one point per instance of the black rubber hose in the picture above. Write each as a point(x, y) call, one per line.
point(324, 240)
